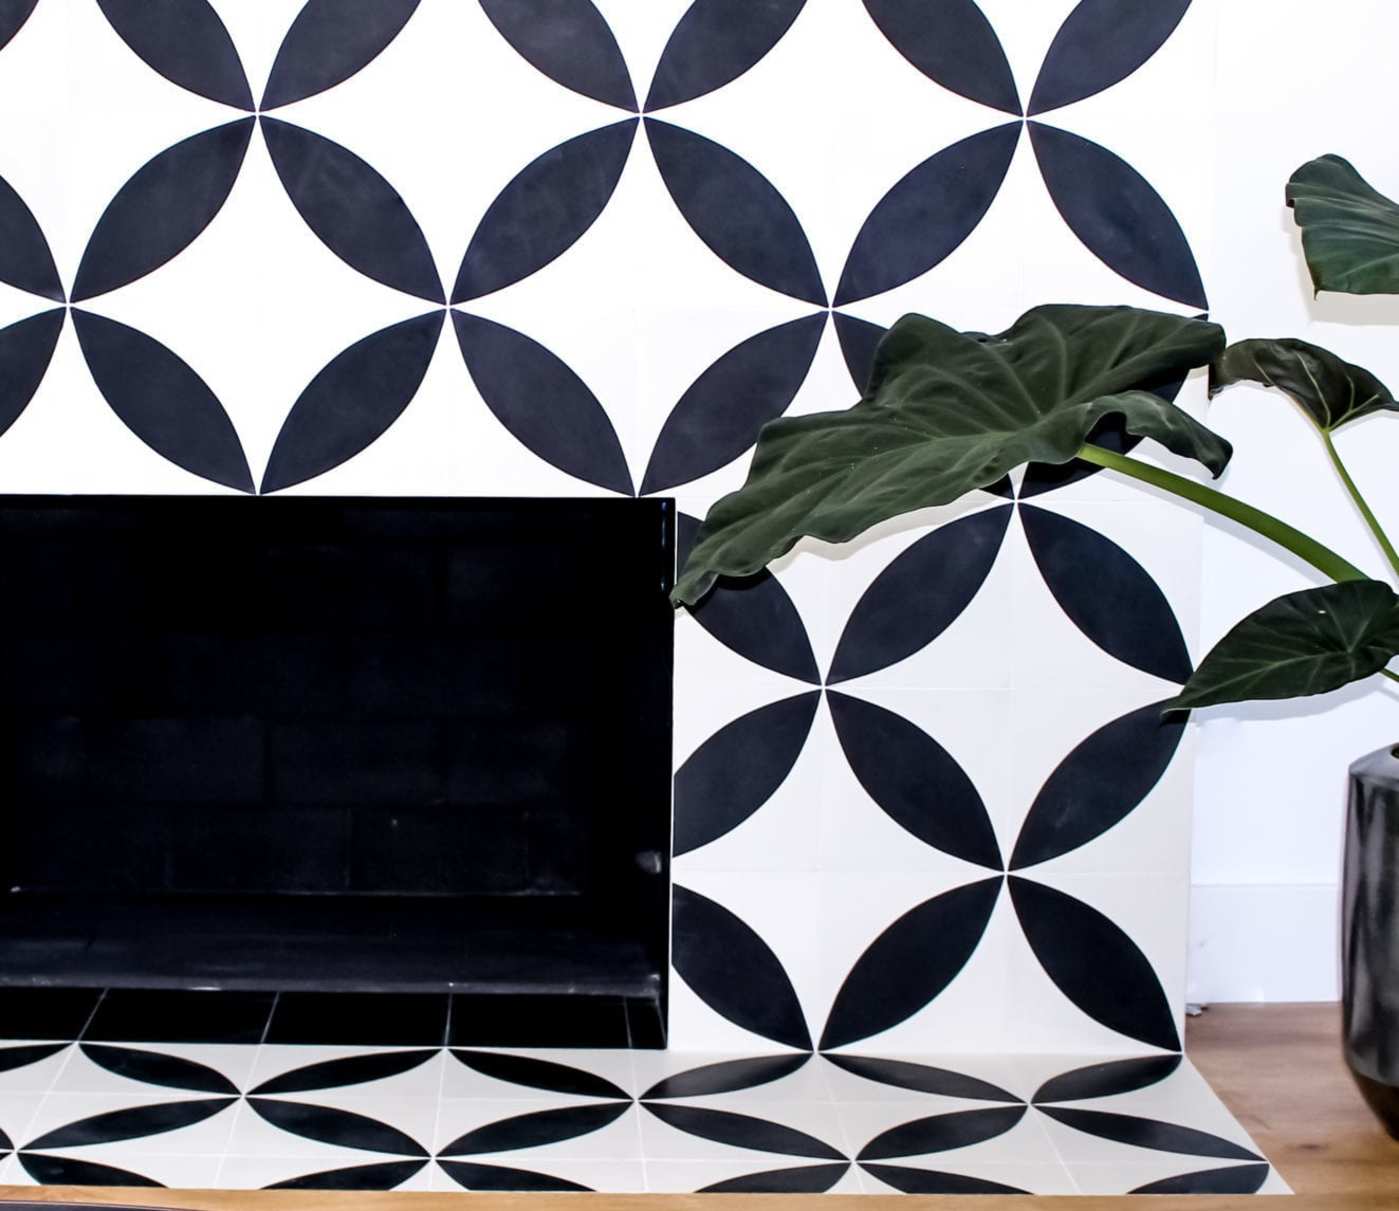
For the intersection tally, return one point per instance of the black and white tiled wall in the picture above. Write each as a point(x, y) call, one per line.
point(924, 803)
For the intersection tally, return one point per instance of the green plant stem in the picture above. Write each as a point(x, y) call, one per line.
point(1302, 545)
point(1365, 511)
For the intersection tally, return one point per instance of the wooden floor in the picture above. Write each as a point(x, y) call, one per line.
point(1278, 1067)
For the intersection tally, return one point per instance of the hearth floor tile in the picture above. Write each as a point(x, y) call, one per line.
point(32, 1067)
point(507, 1171)
point(1178, 1175)
point(113, 1165)
point(300, 1069)
point(302, 1124)
point(773, 1175)
point(360, 1173)
point(944, 1175)
point(896, 1132)
point(547, 1127)
point(352, 1117)
point(145, 1068)
point(778, 1076)
point(477, 1072)
point(17, 1114)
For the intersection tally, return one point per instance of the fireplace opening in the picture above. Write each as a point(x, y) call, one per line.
point(337, 745)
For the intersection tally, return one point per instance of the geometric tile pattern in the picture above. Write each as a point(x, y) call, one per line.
point(425, 246)
point(924, 801)
point(448, 1119)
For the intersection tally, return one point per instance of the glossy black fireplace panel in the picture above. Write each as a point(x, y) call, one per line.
point(336, 744)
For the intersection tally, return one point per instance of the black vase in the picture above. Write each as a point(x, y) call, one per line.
point(1370, 933)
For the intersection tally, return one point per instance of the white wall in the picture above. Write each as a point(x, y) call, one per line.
point(1297, 78)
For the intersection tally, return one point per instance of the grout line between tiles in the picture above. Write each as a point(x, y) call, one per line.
point(267, 1025)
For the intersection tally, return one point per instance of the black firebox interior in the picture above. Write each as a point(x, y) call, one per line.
point(337, 744)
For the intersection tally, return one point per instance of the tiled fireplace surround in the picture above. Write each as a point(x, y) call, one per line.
point(931, 836)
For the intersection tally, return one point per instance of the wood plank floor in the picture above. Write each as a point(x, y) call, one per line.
point(1278, 1067)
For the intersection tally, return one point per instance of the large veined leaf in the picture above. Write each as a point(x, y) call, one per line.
point(946, 412)
point(1350, 231)
point(1330, 391)
point(1302, 643)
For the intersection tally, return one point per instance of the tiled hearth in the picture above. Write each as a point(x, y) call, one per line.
point(269, 1113)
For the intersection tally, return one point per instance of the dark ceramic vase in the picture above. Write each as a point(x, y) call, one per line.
point(1370, 933)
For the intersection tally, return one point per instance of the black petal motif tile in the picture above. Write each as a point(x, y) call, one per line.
point(927, 214)
point(166, 204)
point(1149, 1133)
point(733, 970)
point(738, 769)
point(1117, 215)
point(1110, 433)
point(386, 1176)
point(21, 1057)
point(533, 1073)
point(570, 42)
point(722, 411)
point(1107, 594)
point(727, 1076)
point(328, 42)
point(369, 1018)
point(161, 400)
point(26, 348)
point(69, 1171)
point(910, 963)
point(1100, 43)
point(537, 1128)
point(736, 211)
point(346, 1071)
point(1098, 784)
point(932, 1182)
point(503, 1178)
point(754, 616)
point(916, 781)
point(543, 403)
point(1235, 1179)
point(1107, 1079)
point(923, 1078)
point(156, 1068)
point(133, 1122)
point(920, 594)
point(13, 15)
point(952, 42)
point(352, 401)
point(942, 1133)
point(26, 262)
point(544, 210)
point(743, 1131)
point(858, 340)
point(804, 1179)
point(329, 1125)
point(129, 1015)
point(1095, 964)
point(187, 43)
point(492, 1020)
point(357, 214)
point(714, 43)
point(46, 1013)
point(929, 1181)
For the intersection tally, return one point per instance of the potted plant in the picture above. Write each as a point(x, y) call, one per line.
point(949, 412)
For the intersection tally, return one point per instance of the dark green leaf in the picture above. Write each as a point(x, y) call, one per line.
point(1330, 391)
point(1350, 232)
point(1303, 643)
point(946, 412)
